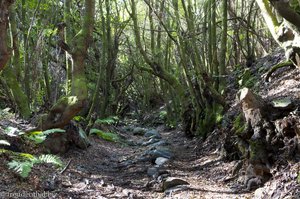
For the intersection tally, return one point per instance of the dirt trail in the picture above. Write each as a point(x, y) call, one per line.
point(113, 170)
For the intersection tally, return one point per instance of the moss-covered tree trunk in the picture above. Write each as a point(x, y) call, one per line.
point(285, 33)
point(11, 72)
point(67, 107)
point(4, 51)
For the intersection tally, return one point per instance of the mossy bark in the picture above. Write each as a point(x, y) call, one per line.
point(20, 98)
point(67, 107)
point(12, 73)
point(4, 50)
point(286, 33)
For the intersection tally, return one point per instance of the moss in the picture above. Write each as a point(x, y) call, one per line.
point(247, 79)
point(239, 125)
point(257, 151)
point(19, 97)
point(79, 88)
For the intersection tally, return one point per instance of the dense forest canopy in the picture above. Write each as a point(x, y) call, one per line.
point(130, 55)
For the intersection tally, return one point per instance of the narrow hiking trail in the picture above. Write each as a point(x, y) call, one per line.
point(132, 170)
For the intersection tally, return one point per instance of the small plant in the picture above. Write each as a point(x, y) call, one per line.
point(247, 79)
point(22, 163)
point(109, 120)
point(111, 137)
point(78, 118)
point(238, 124)
point(163, 115)
point(40, 136)
point(5, 114)
point(4, 142)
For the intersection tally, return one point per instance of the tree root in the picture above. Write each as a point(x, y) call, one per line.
point(276, 67)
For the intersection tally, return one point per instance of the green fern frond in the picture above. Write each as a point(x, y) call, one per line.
point(4, 142)
point(50, 159)
point(40, 136)
point(21, 168)
point(22, 163)
point(27, 156)
point(50, 131)
point(111, 137)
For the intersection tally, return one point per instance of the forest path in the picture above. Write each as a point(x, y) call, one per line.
point(116, 170)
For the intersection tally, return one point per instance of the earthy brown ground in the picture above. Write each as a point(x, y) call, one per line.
point(104, 171)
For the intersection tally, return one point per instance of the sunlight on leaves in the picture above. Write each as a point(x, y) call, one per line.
point(4, 142)
point(111, 137)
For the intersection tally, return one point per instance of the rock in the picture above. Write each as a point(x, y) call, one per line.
point(143, 159)
point(160, 143)
point(153, 134)
point(131, 143)
point(172, 182)
point(160, 152)
point(152, 172)
point(253, 183)
point(161, 160)
point(139, 131)
point(128, 128)
point(175, 189)
point(282, 103)
point(151, 141)
point(259, 193)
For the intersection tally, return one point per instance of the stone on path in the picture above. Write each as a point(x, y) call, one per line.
point(160, 152)
point(152, 172)
point(172, 182)
point(153, 134)
point(160, 143)
point(161, 160)
point(139, 131)
point(151, 141)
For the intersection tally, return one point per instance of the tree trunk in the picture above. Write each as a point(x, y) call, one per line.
point(286, 33)
point(4, 13)
point(67, 107)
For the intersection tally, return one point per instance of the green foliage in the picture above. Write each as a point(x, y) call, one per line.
point(49, 32)
point(238, 124)
point(4, 142)
point(40, 136)
point(78, 118)
point(5, 114)
point(111, 137)
point(247, 79)
point(22, 163)
point(109, 120)
point(295, 5)
point(163, 115)
point(22, 168)
point(12, 131)
point(298, 178)
point(211, 117)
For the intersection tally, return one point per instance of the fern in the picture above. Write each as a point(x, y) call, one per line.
point(50, 159)
point(40, 136)
point(109, 120)
point(22, 168)
point(12, 131)
point(24, 165)
point(4, 142)
point(111, 137)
